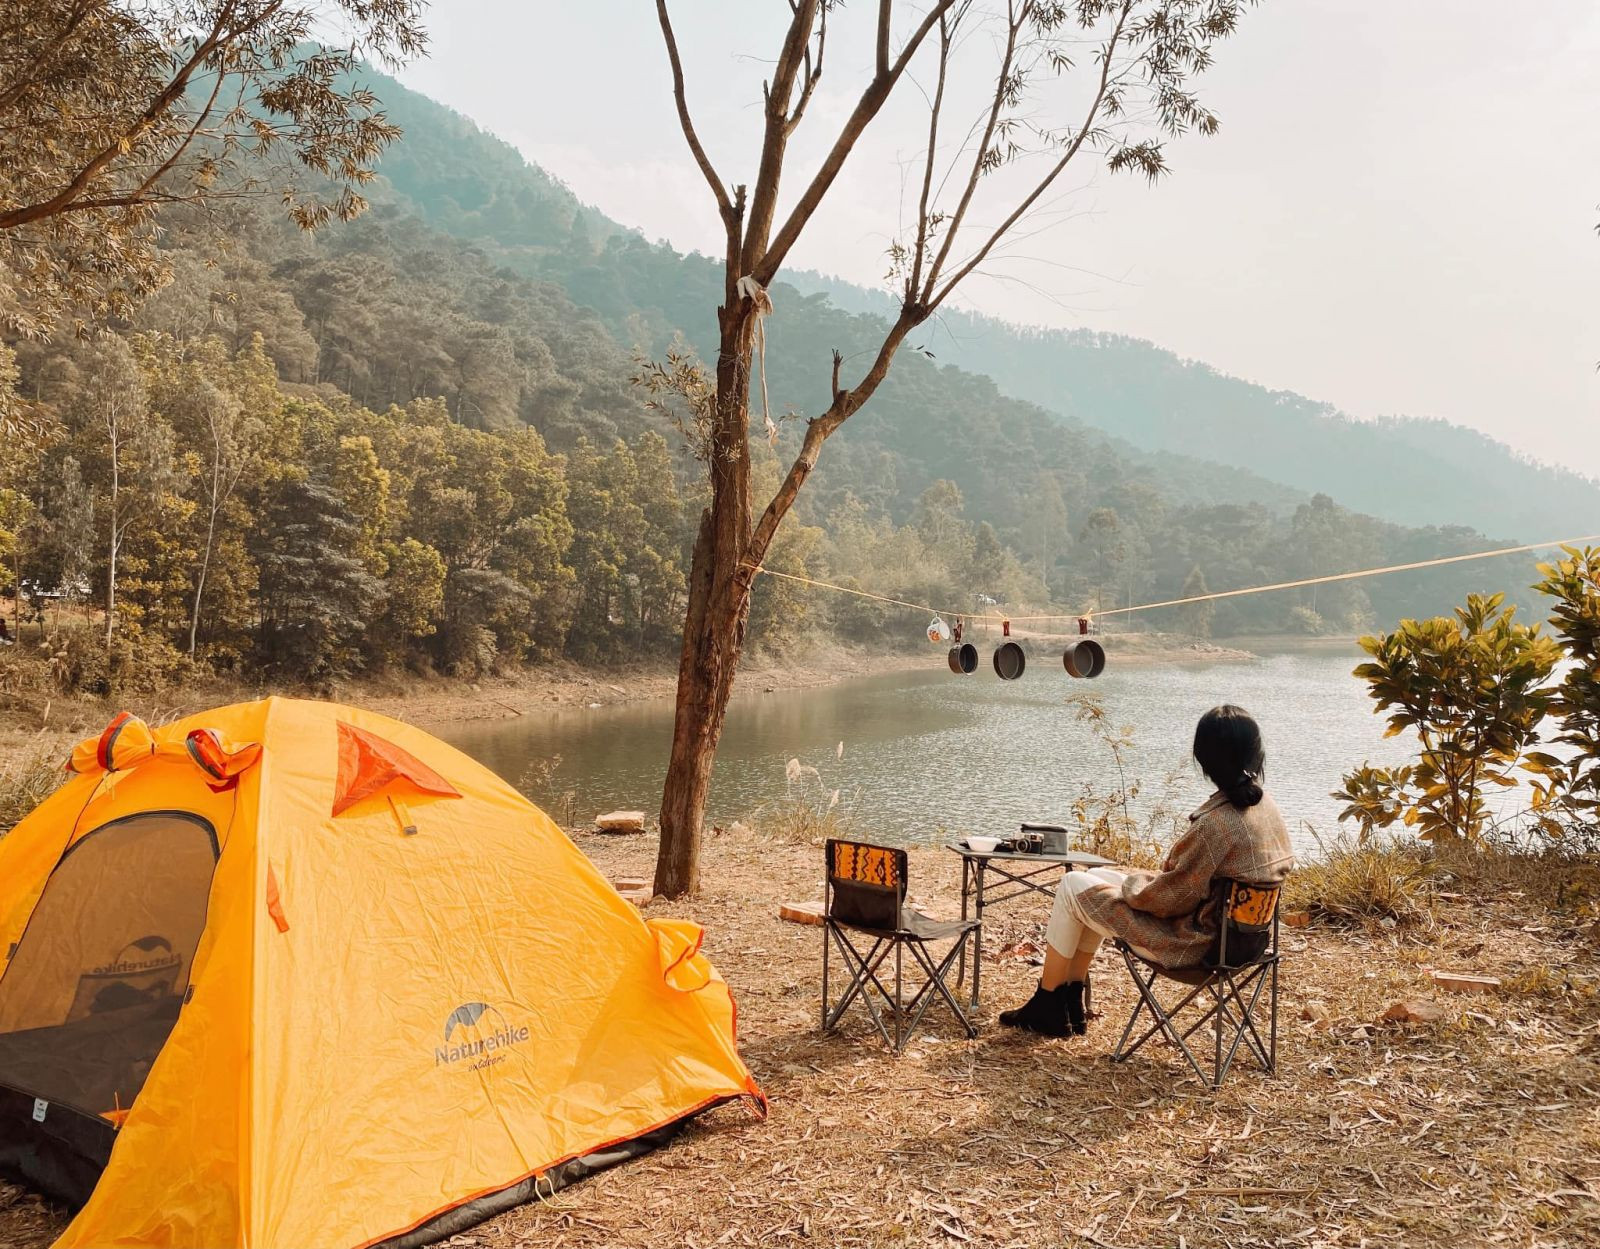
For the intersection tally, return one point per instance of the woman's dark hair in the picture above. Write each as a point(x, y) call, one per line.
point(1227, 746)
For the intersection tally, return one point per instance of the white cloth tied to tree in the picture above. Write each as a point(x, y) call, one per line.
point(748, 288)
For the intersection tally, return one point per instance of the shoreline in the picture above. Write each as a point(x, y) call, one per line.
point(26, 716)
point(568, 686)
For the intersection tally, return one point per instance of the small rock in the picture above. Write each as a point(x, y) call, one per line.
point(1412, 1012)
point(739, 829)
point(1317, 1013)
point(1297, 919)
point(1388, 921)
point(620, 822)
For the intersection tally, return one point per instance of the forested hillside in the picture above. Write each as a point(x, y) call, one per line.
point(414, 441)
point(1412, 471)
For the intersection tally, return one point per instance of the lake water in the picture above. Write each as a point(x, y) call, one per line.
point(930, 754)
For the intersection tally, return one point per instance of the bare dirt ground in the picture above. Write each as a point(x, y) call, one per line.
point(1481, 1129)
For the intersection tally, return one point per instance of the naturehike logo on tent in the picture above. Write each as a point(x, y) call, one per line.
point(145, 970)
point(479, 1035)
point(140, 958)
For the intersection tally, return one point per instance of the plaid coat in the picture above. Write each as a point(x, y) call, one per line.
point(1169, 916)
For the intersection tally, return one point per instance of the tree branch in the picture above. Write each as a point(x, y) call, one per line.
point(775, 141)
point(724, 205)
point(819, 429)
point(975, 175)
point(939, 296)
point(152, 114)
point(924, 227)
point(813, 71)
point(867, 107)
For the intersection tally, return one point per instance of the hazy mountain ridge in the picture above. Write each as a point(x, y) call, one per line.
point(1413, 470)
point(1281, 446)
point(465, 181)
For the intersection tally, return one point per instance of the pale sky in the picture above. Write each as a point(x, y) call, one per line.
point(1397, 216)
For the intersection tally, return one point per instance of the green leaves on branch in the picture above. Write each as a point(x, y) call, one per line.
point(1570, 788)
point(1473, 688)
point(111, 115)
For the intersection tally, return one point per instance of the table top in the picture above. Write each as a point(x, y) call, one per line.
point(1082, 857)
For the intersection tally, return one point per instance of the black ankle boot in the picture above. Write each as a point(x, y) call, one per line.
point(1045, 1012)
point(1077, 1019)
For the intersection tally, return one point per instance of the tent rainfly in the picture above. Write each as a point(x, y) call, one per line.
point(289, 973)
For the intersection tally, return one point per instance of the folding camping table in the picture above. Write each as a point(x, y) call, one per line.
point(1019, 874)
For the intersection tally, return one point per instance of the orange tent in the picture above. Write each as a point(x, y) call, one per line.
point(288, 973)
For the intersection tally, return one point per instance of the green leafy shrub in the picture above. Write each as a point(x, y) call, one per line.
point(1568, 802)
point(1472, 688)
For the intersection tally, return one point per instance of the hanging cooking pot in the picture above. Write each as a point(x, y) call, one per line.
point(964, 659)
point(1084, 658)
point(1009, 661)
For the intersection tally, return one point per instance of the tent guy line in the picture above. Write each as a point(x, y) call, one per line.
point(763, 570)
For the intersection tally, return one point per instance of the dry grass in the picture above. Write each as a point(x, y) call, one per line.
point(1481, 1130)
point(1378, 880)
point(29, 772)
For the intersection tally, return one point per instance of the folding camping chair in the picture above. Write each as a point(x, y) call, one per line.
point(1229, 984)
point(866, 898)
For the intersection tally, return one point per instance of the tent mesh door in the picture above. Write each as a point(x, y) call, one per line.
point(94, 987)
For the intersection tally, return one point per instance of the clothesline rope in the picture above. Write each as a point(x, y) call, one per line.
point(1417, 565)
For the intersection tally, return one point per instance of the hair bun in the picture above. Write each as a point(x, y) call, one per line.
point(1244, 793)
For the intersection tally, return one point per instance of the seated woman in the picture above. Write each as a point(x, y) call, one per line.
point(1237, 833)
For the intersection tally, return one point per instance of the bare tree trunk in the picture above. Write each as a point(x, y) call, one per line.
point(720, 577)
point(712, 642)
point(200, 581)
point(116, 536)
point(1168, 43)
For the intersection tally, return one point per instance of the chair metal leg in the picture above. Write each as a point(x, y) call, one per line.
point(1233, 999)
point(826, 942)
point(899, 1000)
point(935, 987)
point(867, 985)
point(864, 971)
point(1272, 1052)
point(1216, 1031)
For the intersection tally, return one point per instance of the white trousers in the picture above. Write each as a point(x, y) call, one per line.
point(1070, 931)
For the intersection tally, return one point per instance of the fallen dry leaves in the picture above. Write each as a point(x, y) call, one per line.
point(1480, 1127)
